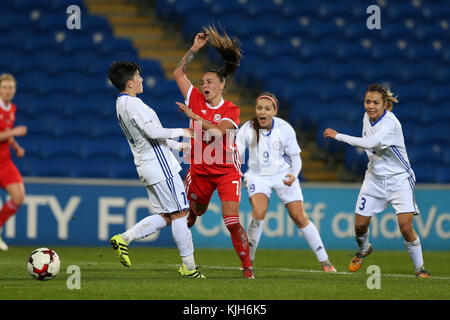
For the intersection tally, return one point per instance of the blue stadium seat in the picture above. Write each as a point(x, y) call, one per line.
point(331, 10)
point(438, 94)
point(315, 50)
point(322, 30)
point(278, 49)
point(294, 8)
point(23, 65)
point(424, 71)
point(256, 9)
point(355, 159)
point(167, 88)
point(379, 73)
point(425, 173)
point(49, 168)
point(71, 128)
point(423, 52)
point(310, 71)
point(443, 174)
point(424, 154)
point(337, 91)
point(442, 74)
point(431, 135)
point(410, 112)
point(122, 170)
point(435, 115)
point(94, 24)
point(151, 67)
point(60, 150)
point(49, 22)
point(435, 12)
point(87, 169)
point(446, 155)
point(345, 71)
point(288, 28)
point(412, 92)
point(112, 47)
point(430, 32)
point(105, 129)
point(100, 149)
point(389, 51)
point(224, 8)
point(401, 11)
point(350, 51)
point(393, 31)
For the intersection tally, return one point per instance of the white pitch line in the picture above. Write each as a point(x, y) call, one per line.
point(311, 271)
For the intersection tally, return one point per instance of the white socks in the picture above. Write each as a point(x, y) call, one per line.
point(180, 233)
point(310, 233)
point(415, 252)
point(183, 239)
point(363, 242)
point(315, 242)
point(254, 231)
point(144, 228)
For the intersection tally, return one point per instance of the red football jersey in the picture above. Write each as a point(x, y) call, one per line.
point(7, 117)
point(205, 159)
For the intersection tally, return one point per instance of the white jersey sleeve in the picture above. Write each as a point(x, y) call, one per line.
point(276, 151)
point(382, 138)
point(384, 145)
point(146, 137)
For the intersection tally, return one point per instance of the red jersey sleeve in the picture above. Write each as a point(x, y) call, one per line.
point(232, 113)
point(194, 99)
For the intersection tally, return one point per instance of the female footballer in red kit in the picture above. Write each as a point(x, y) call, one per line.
point(217, 164)
point(10, 177)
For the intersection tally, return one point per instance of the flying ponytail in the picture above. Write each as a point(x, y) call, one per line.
point(228, 48)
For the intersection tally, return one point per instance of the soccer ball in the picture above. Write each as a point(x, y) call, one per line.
point(43, 264)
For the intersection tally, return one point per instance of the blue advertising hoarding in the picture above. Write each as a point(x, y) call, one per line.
point(88, 212)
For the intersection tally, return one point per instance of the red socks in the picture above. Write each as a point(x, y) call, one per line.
point(239, 239)
point(9, 208)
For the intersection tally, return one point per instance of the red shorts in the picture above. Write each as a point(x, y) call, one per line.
point(200, 187)
point(9, 174)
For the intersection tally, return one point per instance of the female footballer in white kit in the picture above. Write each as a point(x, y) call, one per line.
point(389, 178)
point(274, 164)
point(157, 167)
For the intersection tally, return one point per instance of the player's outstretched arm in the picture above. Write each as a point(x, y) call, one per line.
point(180, 72)
point(218, 130)
point(18, 131)
point(365, 143)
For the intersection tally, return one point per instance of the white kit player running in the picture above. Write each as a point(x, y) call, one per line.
point(274, 164)
point(389, 178)
point(157, 167)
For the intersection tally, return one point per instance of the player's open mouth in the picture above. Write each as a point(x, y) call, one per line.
point(262, 120)
point(206, 92)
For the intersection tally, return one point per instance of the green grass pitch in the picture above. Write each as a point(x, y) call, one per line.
point(280, 275)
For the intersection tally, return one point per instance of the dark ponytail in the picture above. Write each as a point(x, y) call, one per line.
point(228, 48)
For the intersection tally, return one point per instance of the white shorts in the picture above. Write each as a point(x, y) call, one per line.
point(265, 184)
point(168, 196)
point(377, 193)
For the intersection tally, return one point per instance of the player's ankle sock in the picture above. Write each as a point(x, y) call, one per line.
point(239, 239)
point(414, 249)
point(183, 239)
point(9, 208)
point(144, 228)
point(315, 242)
point(363, 242)
point(189, 262)
point(254, 231)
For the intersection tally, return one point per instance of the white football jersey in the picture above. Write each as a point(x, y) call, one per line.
point(384, 145)
point(153, 158)
point(275, 150)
